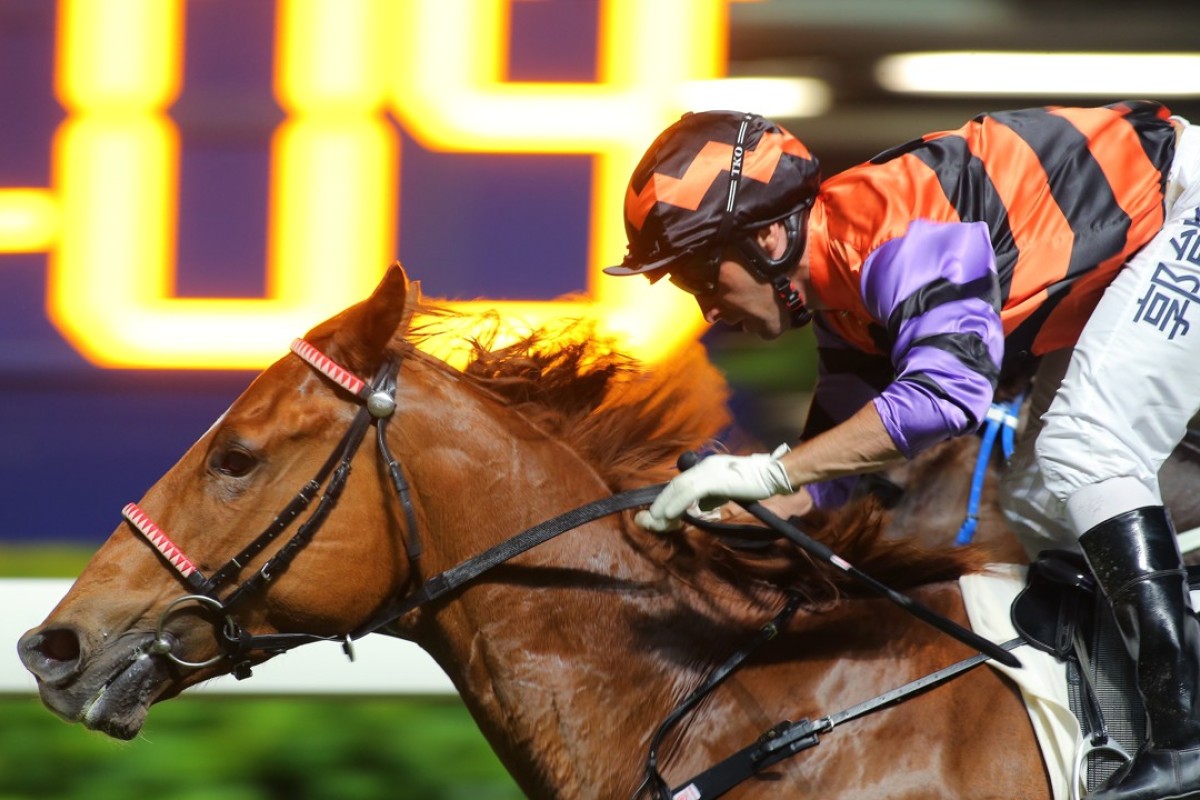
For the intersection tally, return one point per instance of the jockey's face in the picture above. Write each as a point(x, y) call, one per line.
point(742, 299)
point(732, 293)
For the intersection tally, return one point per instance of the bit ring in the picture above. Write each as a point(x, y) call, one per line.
point(162, 645)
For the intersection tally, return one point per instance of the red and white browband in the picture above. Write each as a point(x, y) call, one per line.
point(330, 368)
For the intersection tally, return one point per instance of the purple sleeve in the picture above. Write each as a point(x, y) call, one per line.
point(832, 493)
point(935, 292)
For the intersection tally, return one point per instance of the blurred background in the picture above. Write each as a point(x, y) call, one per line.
point(185, 186)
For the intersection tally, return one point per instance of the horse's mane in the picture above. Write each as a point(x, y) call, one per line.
point(630, 422)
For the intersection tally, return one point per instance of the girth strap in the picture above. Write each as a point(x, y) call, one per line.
point(653, 779)
point(788, 738)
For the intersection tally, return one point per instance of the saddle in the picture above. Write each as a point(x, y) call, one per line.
point(1062, 612)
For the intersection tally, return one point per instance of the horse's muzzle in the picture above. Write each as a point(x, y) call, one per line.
point(109, 690)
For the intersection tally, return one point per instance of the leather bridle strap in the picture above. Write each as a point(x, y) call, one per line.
point(399, 482)
point(338, 467)
point(208, 587)
point(472, 568)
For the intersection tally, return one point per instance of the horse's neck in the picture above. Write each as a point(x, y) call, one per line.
point(571, 654)
point(560, 653)
point(544, 653)
point(569, 668)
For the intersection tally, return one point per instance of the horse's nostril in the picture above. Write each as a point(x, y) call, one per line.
point(59, 645)
point(52, 654)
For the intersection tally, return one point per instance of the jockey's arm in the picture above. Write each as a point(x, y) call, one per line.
point(944, 351)
point(935, 292)
point(860, 444)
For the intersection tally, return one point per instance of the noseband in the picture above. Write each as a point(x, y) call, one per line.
point(378, 403)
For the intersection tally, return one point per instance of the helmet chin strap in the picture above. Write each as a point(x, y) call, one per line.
point(786, 291)
point(775, 270)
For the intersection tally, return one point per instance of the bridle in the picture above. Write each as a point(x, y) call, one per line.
point(377, 401)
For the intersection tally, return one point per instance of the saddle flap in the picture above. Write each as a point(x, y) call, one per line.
point(1047, 610)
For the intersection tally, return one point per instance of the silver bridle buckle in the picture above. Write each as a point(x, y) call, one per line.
point(381, 404)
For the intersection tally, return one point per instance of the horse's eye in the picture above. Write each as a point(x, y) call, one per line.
point(234, 462)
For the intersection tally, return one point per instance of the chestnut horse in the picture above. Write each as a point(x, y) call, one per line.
point(570, 655)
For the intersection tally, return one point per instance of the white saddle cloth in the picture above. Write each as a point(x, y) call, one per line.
point(1042, 678)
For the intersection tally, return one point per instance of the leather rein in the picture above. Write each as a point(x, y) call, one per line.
point(377, 401)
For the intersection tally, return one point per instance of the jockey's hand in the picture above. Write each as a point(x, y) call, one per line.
point(797, 505)
point(717, 479)
point(784, 506)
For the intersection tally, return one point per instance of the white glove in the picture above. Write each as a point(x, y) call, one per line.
point(754, 477)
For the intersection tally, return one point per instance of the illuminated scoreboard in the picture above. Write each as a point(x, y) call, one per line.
point(350, 80)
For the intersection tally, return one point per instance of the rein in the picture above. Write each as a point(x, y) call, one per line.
point(466, 571)
point(378, 404)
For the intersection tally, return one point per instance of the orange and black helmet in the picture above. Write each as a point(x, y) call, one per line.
point(707, 178)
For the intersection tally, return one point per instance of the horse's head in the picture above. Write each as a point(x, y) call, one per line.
point(153, 611)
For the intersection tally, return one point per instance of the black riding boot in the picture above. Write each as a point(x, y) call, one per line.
point(1136, 560)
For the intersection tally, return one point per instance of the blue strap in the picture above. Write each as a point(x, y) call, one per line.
point(1012, 418)
point(1001, 417)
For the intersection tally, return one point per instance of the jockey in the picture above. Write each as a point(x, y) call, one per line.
point(1068, 238)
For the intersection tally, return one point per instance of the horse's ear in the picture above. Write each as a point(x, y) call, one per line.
point(364, 330)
